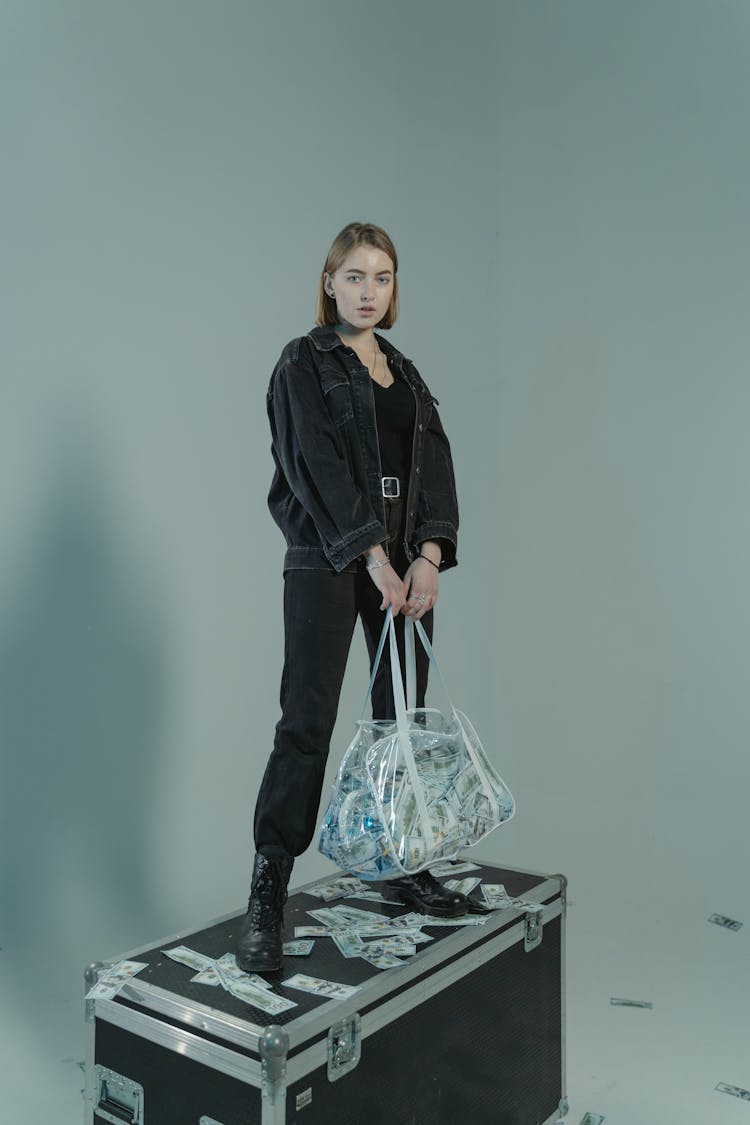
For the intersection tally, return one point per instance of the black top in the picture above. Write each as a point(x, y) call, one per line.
point(395, 412)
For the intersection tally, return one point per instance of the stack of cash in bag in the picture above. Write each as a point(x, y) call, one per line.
point(373, 826)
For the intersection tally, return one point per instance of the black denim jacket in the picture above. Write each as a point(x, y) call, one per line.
point(326, 494)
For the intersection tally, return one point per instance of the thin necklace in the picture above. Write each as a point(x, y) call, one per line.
point(375, 354)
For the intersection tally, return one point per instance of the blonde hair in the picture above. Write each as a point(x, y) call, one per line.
point(352, 236)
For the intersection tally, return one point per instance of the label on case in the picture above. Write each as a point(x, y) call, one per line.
point(304, 1099)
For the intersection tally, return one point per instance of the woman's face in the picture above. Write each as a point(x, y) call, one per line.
point(362, 287)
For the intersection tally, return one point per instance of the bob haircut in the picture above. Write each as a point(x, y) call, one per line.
point(352, 236)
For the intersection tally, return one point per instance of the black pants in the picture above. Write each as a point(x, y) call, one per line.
point(320, 611)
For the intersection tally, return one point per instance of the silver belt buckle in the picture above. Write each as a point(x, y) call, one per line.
point(391, 487)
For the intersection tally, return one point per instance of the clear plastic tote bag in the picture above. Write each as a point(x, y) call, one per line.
point(413, 790)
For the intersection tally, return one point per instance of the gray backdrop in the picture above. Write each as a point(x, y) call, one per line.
point(567, 186)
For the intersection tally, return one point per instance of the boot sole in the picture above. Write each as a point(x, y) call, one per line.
point(406, 898)
point(260, 967)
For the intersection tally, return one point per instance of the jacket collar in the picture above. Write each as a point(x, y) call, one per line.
point(326, 339)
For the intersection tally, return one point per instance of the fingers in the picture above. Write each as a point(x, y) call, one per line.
point(391, 587)
point(417, 605)
point(421, 580)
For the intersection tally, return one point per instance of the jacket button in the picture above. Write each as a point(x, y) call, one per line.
point(420, 427)
point(417, 470)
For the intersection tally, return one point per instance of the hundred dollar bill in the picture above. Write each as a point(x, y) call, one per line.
point(227, 965)
point(367, 896)
point(312, 931)
point(189, 957)
point(321, 987)
point(297, 948)
point(592, 1119)
point(451, 868)
point(354, 914)
point(331, 917)
point(735, 1091)
point(112, 979)
point(337, 888)
point(260, 998)
point(496, 896)
point(394, 946)
point(463, 886)
point(619, 1002)
point(727, 923)
point(383, 960)
point(209, 976)
point(348, 943)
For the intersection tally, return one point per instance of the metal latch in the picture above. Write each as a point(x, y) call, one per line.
point(534, 926)
point(118, 1099)
point(344, 1046)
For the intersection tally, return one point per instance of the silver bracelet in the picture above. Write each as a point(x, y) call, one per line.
point(376, 564)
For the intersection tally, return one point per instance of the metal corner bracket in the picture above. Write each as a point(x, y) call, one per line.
point(274, 1047)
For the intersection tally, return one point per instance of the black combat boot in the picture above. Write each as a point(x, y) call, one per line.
point(260, 940)
point(425, 894)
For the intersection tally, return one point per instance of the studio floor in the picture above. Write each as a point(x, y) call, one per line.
point(633, 1066)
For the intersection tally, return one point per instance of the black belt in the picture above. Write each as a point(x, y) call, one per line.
point(391, 487)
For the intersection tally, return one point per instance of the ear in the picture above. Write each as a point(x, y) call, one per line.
point(328, 285)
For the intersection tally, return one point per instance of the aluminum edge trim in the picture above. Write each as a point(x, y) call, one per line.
point(192, 1013)
point(315, 1056)
point(88, 1090)
point(305, 1027)
point(181, 1042)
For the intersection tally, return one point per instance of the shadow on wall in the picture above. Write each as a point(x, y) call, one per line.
point(82, 689)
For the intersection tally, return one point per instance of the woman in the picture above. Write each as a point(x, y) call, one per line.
point(365, 495)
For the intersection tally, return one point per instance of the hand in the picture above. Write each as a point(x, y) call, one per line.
point(421, 582)
point(391, 587)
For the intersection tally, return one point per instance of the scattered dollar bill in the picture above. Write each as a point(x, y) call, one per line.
point(189, 957)
point(394, 946)
point(619, 1002)
point(735, 1091)
point(592, 1119)
point(462, 886)
point(348, 943)
point(448, 868)
point(112, 979)
point(417, 921)
point(331, 917)
point(321, 987)
point(209, 976)
point(383, 960)
point(297, 948)
point(311, 931)
point(496, 896)
point(463, 920)
point(248, 987)
point(368, 896)
point(337, 888)
point(260, 997)
point(228, 967)
point(727, 923)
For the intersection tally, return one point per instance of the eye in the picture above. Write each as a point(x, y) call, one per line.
point(353, 277)
point(384, 280)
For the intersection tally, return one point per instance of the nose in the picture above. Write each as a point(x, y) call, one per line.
point(366, 289)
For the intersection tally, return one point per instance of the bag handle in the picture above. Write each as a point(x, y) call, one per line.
point(489, 792)
point(400, 703)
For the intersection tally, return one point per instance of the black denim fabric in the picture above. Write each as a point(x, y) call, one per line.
point(320, 612)
point(326, 494)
